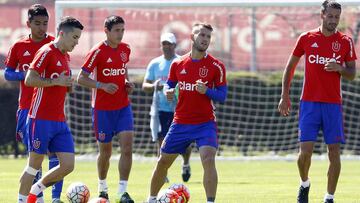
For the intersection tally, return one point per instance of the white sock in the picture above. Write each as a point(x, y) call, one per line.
point(37, 188)
point(152, 199)
point(102, 186)
point(328, 196)
point(22, 198)
point(305, 183)
point(122, 186)
point(209, 202)
point(40, 200)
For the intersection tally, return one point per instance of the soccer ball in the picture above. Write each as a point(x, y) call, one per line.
point(78, 193)
point(168, 196)
point(99, 200)
point(182, 191)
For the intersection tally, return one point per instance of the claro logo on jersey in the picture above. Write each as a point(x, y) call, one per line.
point(114, 71)
point(321, 59)
point(56, 75)
point(186, 86)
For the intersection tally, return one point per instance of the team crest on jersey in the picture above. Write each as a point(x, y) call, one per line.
point(36, 144)
point(203, 72)
point(101, 136)
point(336, 46)
point(123, 57)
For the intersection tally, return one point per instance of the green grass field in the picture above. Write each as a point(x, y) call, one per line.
point(239, 181)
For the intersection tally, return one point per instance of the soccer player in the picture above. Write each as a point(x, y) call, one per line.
point(162, 111)
point(49, 74)
point(20, 56)
point(112, 115)
point(202, 80)
point(330, 55)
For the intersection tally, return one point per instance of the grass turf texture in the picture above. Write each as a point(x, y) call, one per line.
point(239, 181)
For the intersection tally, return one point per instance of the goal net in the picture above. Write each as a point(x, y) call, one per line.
point(252, 36)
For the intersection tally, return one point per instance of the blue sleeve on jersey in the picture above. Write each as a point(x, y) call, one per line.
point(11, 75)
point(171, 84)
point(217, 94)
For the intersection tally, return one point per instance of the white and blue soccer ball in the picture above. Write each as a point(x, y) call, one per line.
point(77, 192)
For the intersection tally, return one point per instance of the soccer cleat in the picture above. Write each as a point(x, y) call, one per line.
point(125, 198)
point(303, 196)
point(31, 198)
point(186, 173)
point(104, 195)
point(329, 201)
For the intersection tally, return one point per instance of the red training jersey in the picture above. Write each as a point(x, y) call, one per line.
point(48, 102)
point(19, 57)
point(321, 85)
point(193, 107)
point(108, 65)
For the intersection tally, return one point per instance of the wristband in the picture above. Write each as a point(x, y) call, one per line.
point(97, 85)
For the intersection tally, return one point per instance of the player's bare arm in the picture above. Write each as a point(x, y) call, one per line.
point(284, 103)
point(84, 79)
point(33, 79)
point(149, 85)
point(129, 85)
point(348, 72)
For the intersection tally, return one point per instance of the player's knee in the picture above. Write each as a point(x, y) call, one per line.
point(209, 163)
point(334, 155)
point(67, 168)
point(31, 171)
point(208, 159)
point(105, 154)
point(126, 151)
point(163, 163)
point(304, 154)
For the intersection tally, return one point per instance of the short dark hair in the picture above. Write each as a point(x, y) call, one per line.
point(329, 4)
point(68, 23)
point(110, 21)
point(37, 10)
point(199, 25)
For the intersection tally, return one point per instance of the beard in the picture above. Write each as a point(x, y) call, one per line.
point(199, 48)
point(331, 27)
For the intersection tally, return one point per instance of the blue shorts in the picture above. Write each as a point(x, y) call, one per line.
point(106, 124)
point(49, 136)
point(166, 119)
point(316, 116)
point(21, 116)
point(180, 136)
